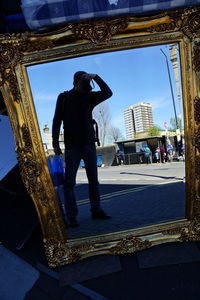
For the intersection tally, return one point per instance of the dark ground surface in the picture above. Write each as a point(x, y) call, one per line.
point(168, 278)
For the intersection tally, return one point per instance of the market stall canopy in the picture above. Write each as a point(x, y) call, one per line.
point(41, 14)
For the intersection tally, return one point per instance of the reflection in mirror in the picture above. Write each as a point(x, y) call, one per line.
point(141, 160)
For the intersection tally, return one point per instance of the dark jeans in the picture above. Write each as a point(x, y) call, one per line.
point(73, 156)
point(148, 159)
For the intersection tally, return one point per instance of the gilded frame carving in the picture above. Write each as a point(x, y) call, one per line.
point(17, 51)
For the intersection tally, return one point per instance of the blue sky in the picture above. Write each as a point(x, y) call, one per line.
point(136, 75)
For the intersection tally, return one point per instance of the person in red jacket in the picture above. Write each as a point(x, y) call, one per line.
point(74, 108)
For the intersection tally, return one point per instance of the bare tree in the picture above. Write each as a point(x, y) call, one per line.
point(102, 116)
point(115, 133)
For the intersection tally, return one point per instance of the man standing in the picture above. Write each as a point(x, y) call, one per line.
point(75, 108)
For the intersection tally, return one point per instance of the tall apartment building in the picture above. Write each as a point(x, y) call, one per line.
point(138, 118)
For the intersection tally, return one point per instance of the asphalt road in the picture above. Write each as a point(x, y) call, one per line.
point(135, 196)
point(138, 174)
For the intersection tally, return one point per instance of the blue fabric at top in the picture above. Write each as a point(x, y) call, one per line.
point(15, 23)
point(43, 13)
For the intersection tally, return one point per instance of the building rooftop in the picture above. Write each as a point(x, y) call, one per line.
point(138, 104)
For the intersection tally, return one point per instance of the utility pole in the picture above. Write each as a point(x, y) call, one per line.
point(170, 81)
point(174, 59)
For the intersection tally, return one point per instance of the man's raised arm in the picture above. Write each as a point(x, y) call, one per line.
point(104, 93)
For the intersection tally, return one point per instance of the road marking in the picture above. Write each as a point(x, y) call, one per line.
point(114, 194)
point(126, 191)
point(167, 182)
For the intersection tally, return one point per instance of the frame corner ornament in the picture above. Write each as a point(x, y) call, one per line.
point(191, 22)
point(54, 250)
point(186, 20)
point(61, 253)
point(192, 232)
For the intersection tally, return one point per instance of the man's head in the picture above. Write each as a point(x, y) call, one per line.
point(77, 76)
point(81, 82)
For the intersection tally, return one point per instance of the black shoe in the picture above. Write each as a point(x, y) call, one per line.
point(100, 215)
point(73, 222)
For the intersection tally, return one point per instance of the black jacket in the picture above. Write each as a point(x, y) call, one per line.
point(75, 110)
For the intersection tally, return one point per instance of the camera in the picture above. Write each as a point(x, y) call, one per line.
point(85, 82)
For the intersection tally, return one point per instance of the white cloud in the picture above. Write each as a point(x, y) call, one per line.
point(158, 103)
point(98, 62)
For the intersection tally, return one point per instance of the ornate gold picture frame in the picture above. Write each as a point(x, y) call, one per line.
point(18, 51)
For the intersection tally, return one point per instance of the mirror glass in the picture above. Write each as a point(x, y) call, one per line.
point(143, 184)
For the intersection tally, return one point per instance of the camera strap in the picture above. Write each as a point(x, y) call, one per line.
point(96, 132)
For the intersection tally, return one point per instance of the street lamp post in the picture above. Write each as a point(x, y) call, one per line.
point(170, 81)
